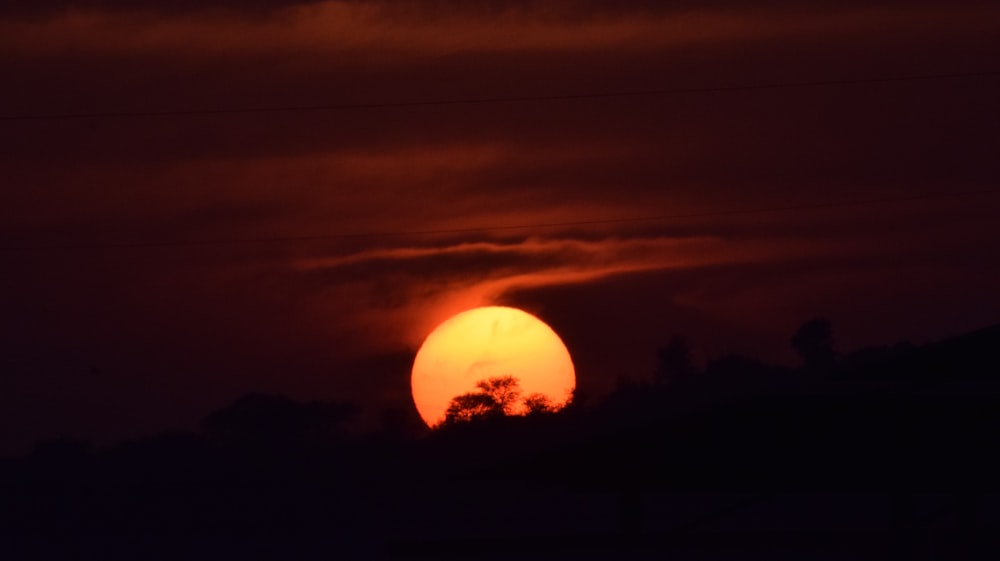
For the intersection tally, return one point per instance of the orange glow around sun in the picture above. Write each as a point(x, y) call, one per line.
point(483, 343)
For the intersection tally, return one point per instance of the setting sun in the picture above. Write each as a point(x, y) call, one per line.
point(484, 343)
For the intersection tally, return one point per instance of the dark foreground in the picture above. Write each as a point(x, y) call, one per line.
point(886, 455)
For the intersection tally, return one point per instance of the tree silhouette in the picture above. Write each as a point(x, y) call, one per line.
point(505, 392)
point(674, 365)
point(814, 343)
point(471, 406)
point(495, 397)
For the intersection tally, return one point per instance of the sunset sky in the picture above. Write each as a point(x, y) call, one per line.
point(178, 228)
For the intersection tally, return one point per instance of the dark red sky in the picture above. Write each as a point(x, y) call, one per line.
point(104, 342)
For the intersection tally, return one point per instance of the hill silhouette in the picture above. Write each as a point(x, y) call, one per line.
point(689, 465)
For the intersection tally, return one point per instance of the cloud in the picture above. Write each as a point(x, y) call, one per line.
point(491, 259)
point(422, 9)
point(377, 34)
point(357, 31)
point(400, 293)
point(47, 8)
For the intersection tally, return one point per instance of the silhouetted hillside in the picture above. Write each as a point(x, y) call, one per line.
point(973, 356)
point(900, 422)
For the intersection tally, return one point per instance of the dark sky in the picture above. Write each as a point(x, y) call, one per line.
point(106, 334)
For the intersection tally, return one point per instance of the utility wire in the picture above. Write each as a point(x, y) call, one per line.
point(503, 228)
point(488, 100)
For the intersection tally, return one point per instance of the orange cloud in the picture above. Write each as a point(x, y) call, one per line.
point(430, 283)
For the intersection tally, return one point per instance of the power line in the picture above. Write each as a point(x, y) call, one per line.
point(506, 227)
point(489, 100)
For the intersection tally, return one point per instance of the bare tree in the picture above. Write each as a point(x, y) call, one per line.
point(504, 390)
point(469, 407)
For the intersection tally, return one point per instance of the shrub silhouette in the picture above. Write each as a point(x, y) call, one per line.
point(537, 403)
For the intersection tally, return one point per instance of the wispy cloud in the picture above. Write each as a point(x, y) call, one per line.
point(408, 30)
point(420, 286)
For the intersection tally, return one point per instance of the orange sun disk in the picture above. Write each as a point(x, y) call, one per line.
point(483, 343)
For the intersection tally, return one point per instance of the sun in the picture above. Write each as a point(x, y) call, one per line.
point(483, 343)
